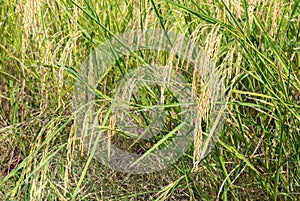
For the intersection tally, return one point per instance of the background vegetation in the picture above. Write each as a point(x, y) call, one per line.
point(254, 43)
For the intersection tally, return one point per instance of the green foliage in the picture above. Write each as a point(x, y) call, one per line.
point(254, 44)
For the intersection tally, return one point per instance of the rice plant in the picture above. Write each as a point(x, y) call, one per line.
point(253, 44)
